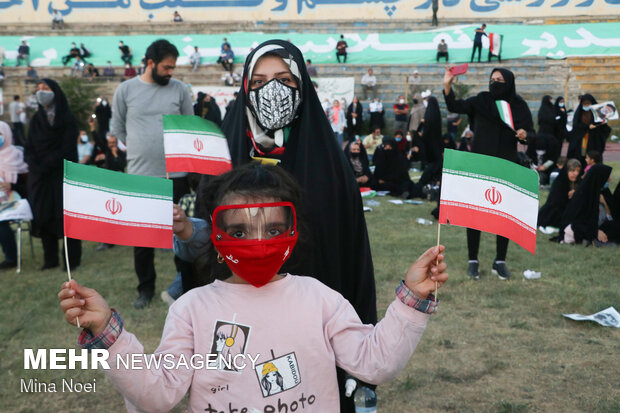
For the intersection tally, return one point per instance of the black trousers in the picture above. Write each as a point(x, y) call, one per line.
point(18, 134)
point(473, 52)
point(473, 245)
point(50, 250)
point(144, 257)
point(344, 57)
point(442, 54)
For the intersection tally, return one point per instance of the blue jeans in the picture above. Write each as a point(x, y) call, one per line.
point(7, 241)
point(339, 138)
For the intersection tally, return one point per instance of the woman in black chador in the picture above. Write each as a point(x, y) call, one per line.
point(278, 118)
point(580, 219)
point(493, 137)
point(51, 138)
point(586, 135)
point(562, 190)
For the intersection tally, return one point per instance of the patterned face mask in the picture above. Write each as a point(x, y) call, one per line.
point(274, 104)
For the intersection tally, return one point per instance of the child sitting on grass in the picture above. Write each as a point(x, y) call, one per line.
point(258, 340)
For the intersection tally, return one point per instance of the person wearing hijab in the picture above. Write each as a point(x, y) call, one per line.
point(392, 170)
point(51, 139)
point(580, 219)
point(278, 118)
point(417, 113)
point(358, 159)
point(206, 107)
point(561, 118)
point(609, 230)
point(587, 135)
point(546, 117)
point(13, 176)
point(544, 151)
point(562, 190)
point(402, 144)
point(354, 119)
point(493, 137)
point(430, 128)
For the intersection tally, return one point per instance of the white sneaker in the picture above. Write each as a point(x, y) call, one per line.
point(167, 298)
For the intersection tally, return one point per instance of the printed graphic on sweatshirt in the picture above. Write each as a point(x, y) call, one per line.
point(278, 374)
point(229, 340)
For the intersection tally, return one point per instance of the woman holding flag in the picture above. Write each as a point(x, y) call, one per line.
point(500, 119)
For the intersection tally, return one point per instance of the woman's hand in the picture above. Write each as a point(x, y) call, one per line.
point(521, 134)
point(181, 225)
point(448, 78)
point(570, 193)
point(85, 303)
point(427, 270)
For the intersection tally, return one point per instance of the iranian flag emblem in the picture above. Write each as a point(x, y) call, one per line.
point(490, 194)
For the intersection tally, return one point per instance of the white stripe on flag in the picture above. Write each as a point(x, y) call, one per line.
point(505, 113)
point(112, 206)
point(207, 146)
point(472, 191)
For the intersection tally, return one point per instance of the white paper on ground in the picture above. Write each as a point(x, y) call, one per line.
point(608, 317)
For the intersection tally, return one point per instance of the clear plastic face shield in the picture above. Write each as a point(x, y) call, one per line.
point(254, 222)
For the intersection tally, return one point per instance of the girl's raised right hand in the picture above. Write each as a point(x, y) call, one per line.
point(87, 304)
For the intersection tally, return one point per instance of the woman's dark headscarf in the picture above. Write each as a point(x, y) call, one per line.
point(546, 116)
point(581, 125)
point(44, 150)
point(577, 119)
point(583, 208)
point(485, 103)
point(340, 254)
point(63, 114)
point(431, 134)
point(551, 213)
point(363, 157)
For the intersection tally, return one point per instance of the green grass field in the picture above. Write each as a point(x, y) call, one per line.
point(494, 346)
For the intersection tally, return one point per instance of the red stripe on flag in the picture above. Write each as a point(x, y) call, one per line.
point(201, 165)
point(488, 220)
point(101, 231)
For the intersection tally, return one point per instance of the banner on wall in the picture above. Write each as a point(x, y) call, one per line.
point(34, 11)
point(552, 41)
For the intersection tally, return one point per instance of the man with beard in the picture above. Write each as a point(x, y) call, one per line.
point(137, 110)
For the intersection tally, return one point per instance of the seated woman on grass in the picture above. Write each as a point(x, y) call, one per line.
point(284, 333)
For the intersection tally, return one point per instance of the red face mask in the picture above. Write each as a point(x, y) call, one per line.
point(255, 240)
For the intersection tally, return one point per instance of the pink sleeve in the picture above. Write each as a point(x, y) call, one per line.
point(375, 354)
point(153, 389)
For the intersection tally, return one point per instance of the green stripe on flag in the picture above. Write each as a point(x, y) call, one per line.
point(117, 182)
point(490, 168)
point(193, 124)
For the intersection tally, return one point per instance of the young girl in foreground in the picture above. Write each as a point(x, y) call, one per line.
point(259, 340)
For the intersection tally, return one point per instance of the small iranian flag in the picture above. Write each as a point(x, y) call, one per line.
point(117, 208)
point(490, 194)
point(495, 43)
point(193, 144)
point(505, 112)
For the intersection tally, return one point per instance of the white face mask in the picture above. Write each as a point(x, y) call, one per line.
point(425, 103)
point(401, 101)
point(84, 138)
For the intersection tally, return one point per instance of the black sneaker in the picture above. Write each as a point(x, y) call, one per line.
point(500, 269)
point(142, 301)
point(5, 265)
point(472, 270)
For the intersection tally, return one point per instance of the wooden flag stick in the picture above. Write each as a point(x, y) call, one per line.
point(77, 319)
point(437, 263)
